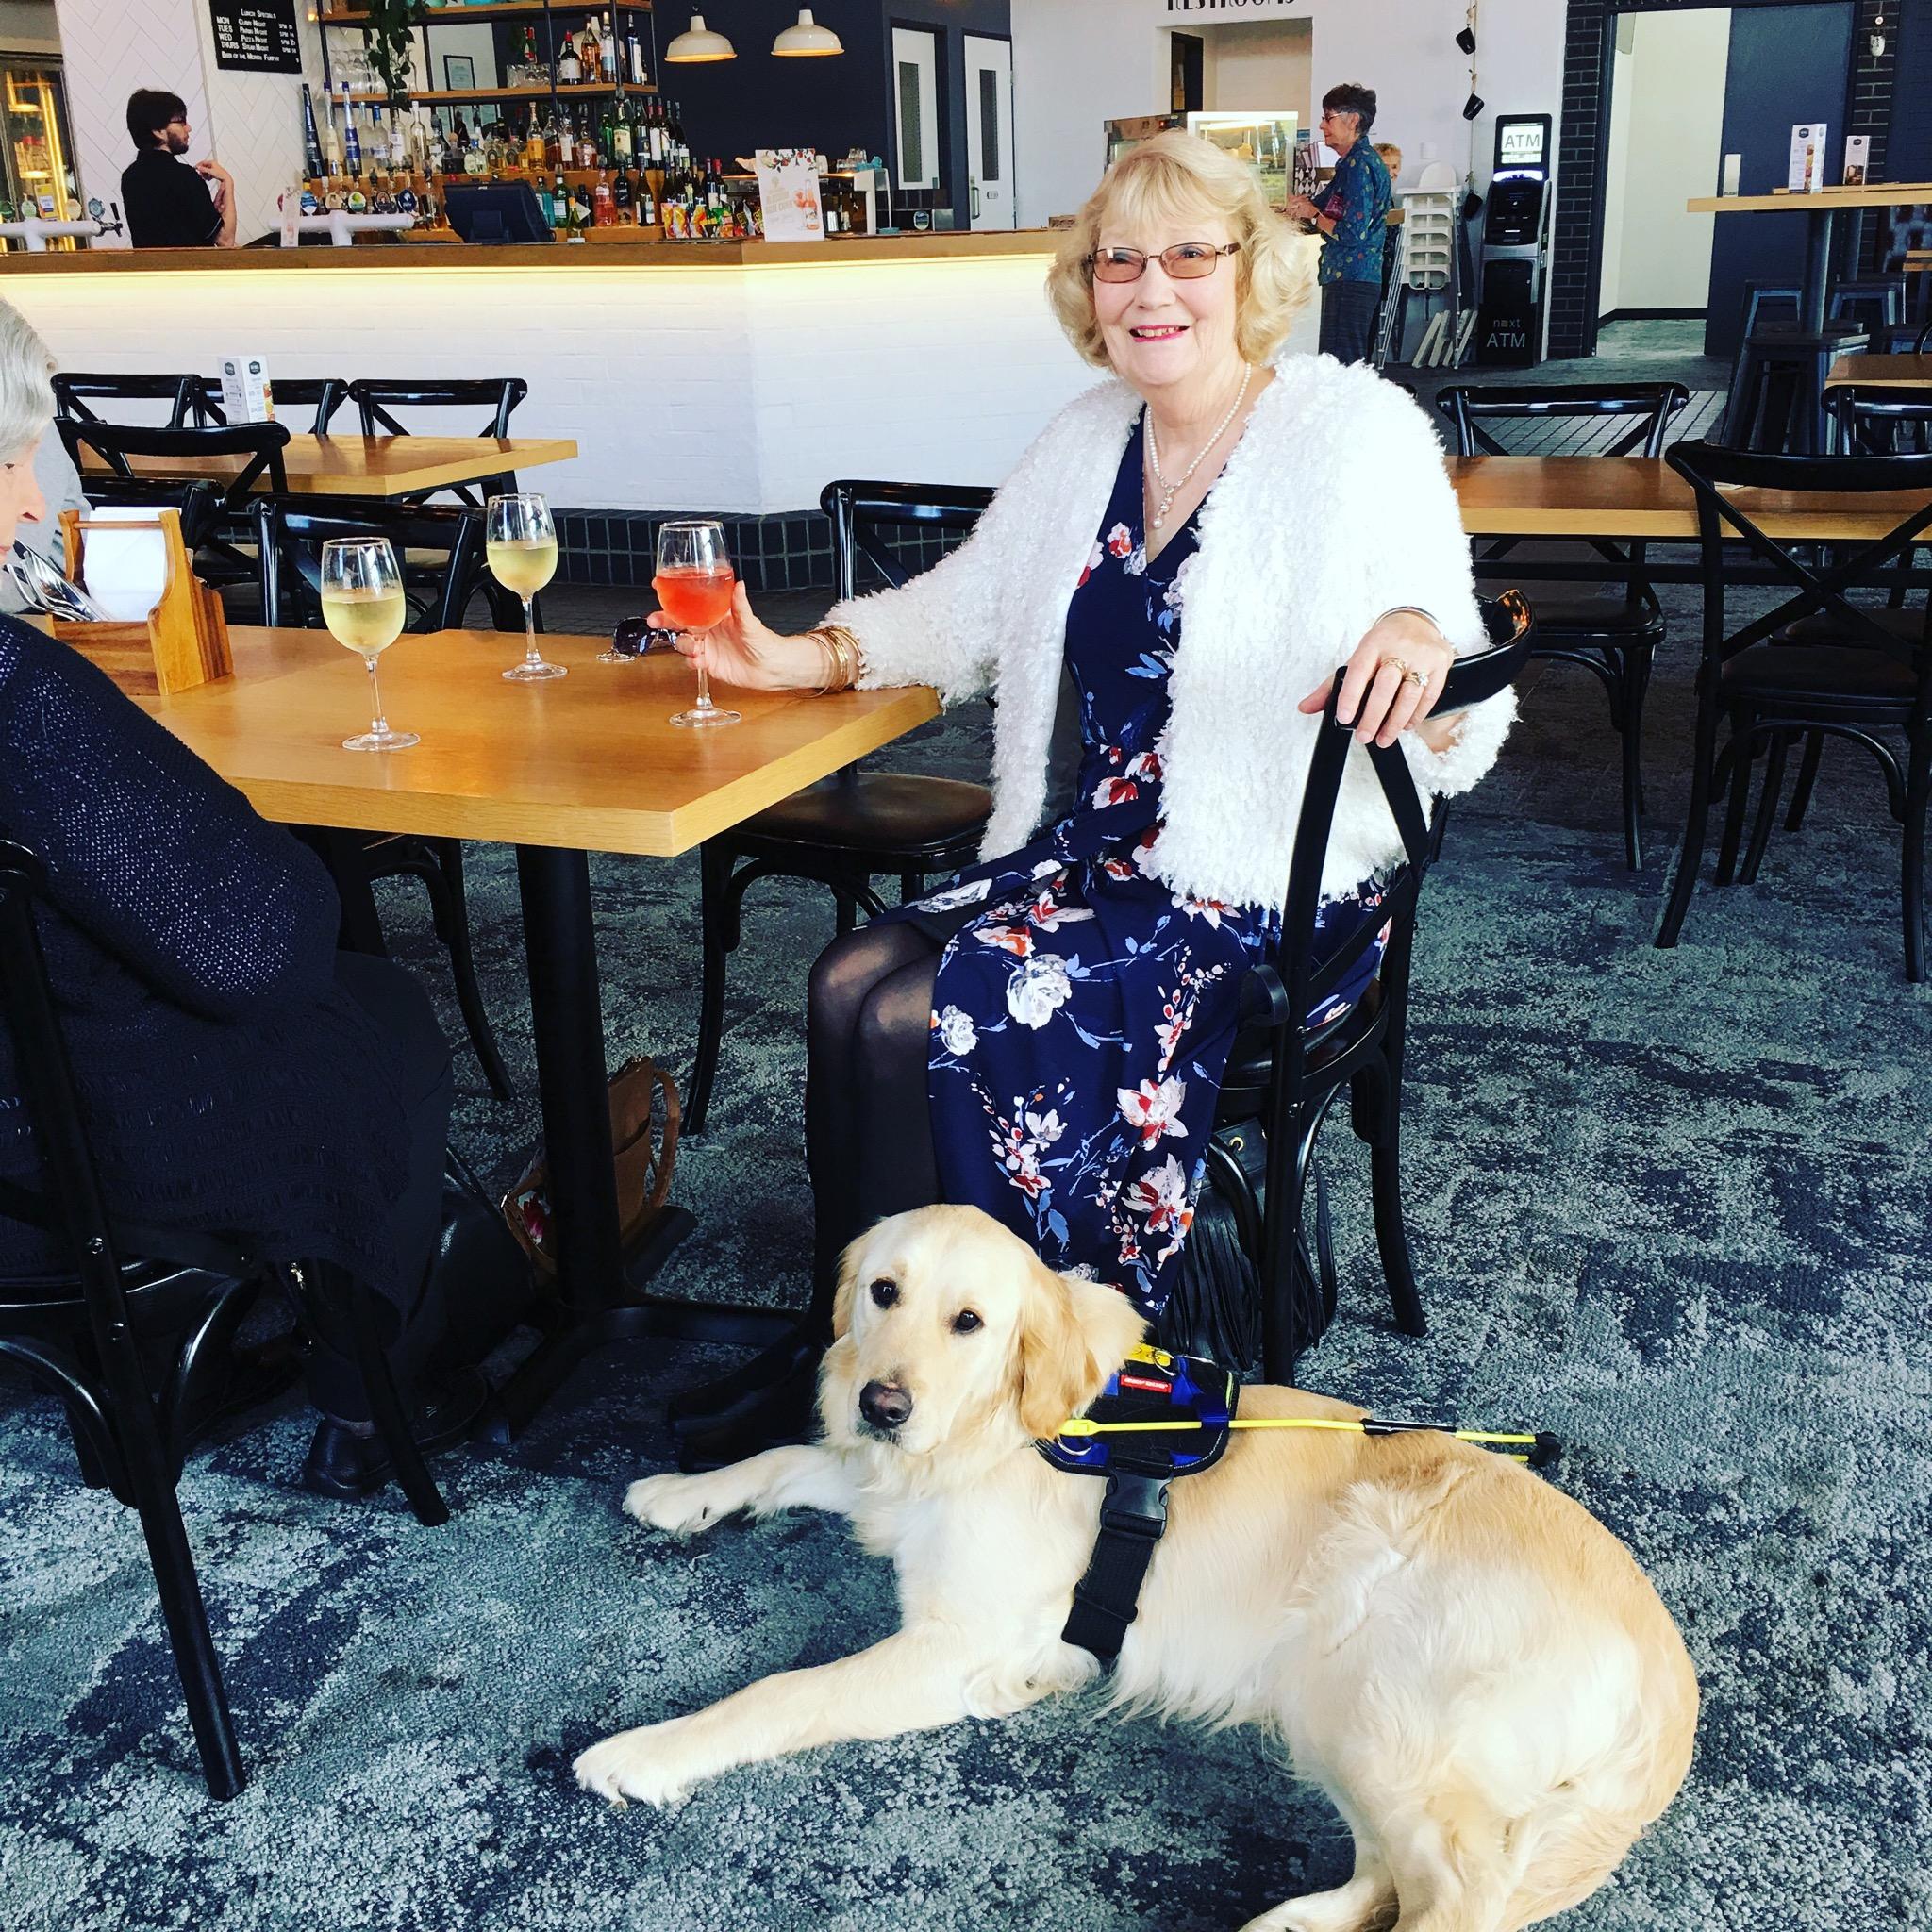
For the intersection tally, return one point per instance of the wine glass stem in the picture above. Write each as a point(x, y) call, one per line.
point(381, 725)
point(531, 654)
point(704, 687)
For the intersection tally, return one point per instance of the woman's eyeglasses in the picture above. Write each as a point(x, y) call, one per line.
point(1185, 262)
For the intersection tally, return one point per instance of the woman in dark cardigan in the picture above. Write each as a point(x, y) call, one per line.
point(239, 1075)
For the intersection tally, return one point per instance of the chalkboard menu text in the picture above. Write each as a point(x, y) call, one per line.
point(259, 35)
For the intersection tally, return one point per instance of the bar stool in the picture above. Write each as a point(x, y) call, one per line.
point(1876, 301)
point(1779, 381)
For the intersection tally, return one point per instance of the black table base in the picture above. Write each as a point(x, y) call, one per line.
point(601, 1297)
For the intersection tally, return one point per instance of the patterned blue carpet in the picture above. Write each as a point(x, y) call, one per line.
point(1671, 1205)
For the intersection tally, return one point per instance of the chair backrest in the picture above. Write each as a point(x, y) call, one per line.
point(1304, 983)
point(1711, 470)
point(27, 1009)
point(863, 512)
point(293, 531)
point(376, 400)
point(1879, 422)
point(260, 445)
point(73, 391)
point(1645, 406)
point(325, 394)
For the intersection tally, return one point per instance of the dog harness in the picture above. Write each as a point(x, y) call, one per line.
point(1196, 1398)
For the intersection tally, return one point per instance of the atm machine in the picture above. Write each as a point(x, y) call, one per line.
point(1516, 232)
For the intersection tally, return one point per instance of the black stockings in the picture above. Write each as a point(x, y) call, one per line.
point(868, 1138)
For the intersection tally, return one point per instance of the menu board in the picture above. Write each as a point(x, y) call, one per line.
point(258, 36)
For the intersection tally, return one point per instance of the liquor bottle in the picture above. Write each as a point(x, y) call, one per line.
point(636, 48)
point(608, 50)
point(654, 134)
point(603, 203)
point(589, 55)
point(624, 135)
point(546, 201)
point(375, 144)
point(587, 145)
point(715, 197)
point(828, 208)
point(553, 151)
point(607, 129)
point(560, 199)
point(352, 142)
point(531, 70)
point(568, 71)
point(331, 143)
point(312, 144)
point(620, 198)
point(536, 150)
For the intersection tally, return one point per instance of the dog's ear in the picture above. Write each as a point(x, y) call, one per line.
point(848, 1286)
point(1073, 1335)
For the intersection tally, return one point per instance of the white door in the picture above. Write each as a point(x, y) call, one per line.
point(916, 105)
point(990, 130)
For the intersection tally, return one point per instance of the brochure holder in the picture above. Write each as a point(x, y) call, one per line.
point(182, 642)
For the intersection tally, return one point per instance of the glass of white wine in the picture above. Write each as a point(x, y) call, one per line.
point(363, 606)
point(521, 542)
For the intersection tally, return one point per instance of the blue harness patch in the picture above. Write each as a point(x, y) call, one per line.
point(1150, 1386)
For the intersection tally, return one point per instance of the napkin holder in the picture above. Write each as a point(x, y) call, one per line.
point(183, 641)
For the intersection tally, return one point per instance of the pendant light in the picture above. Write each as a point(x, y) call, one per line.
point(698, 43)
point(807, 37)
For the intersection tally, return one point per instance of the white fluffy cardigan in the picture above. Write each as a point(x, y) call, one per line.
point(1334, 508)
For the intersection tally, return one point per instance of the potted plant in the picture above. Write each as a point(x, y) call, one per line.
point(390, 45)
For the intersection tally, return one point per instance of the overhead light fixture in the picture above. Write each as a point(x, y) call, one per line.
point(807, 39)
point(698, 43)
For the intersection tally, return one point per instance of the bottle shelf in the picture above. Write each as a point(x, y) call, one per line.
point(434, 16)
point(433, 95)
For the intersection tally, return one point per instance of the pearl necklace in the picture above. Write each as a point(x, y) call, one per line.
point(1169, 490)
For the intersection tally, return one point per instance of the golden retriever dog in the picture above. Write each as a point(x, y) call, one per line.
point(1471, 1668)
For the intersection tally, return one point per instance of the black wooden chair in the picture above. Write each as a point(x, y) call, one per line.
point(218, 558)
point(322, 394)
point(1614, 638)
point(377, 401)
point(1817, 664)
point(291, 534)
point(133, 1340)
point(856, 826)
point(76, 391)
point(1283, 1077)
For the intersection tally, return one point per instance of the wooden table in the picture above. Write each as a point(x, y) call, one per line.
point(1881, 372)
point(581, 763)
point(1632, 498)
point(381, 466)
point(1819, 210)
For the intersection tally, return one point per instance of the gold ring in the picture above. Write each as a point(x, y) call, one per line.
point(1405, 671)
point(1419, 679)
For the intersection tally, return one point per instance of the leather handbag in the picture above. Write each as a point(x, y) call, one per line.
point(645, 1113)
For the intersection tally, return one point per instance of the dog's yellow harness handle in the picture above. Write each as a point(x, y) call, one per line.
point(1364, 1425)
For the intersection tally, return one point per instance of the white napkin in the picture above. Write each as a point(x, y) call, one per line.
point(126, 570)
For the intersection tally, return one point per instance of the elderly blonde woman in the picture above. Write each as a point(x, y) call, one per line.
point(1046, 1037)
point(239, 1076)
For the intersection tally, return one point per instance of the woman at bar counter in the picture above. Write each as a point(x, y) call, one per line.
point(1200, 541)
point(239, 1076)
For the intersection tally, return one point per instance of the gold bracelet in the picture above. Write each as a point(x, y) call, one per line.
point(846, 664)
point(828, 663)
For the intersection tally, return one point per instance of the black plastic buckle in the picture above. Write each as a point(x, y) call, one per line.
point(1135, 1505)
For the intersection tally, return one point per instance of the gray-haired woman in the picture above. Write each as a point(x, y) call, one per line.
point(240, 1078)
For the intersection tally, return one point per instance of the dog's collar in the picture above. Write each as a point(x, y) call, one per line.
point(1150, 1386)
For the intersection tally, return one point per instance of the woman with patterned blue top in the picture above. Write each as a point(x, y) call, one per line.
point(1351, 213)
point(1046, 1037)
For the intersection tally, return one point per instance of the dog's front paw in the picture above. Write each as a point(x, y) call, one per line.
point(681, 1504)
point(640, 1765)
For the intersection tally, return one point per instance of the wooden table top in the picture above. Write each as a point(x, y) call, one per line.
point(589, 761)
point(1641, 497)
point(372, 465)
point(1875, 195)
point(1881, 372)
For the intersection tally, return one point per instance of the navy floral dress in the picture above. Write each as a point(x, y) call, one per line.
point(1083, 1011)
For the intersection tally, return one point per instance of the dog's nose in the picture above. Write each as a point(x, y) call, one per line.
point(884, 1405)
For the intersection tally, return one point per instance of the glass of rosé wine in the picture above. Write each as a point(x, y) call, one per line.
point(695, 584)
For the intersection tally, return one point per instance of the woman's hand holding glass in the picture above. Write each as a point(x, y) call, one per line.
point(740, 650)
point(1392, 682)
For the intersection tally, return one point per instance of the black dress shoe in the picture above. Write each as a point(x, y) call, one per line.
point(348, 1459)
point(770, 1418)
point(706, 1403)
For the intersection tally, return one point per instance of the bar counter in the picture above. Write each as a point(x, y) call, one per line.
point(729, 377)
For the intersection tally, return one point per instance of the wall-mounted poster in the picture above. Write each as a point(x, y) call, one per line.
point(256, 36)
point(459, 70)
